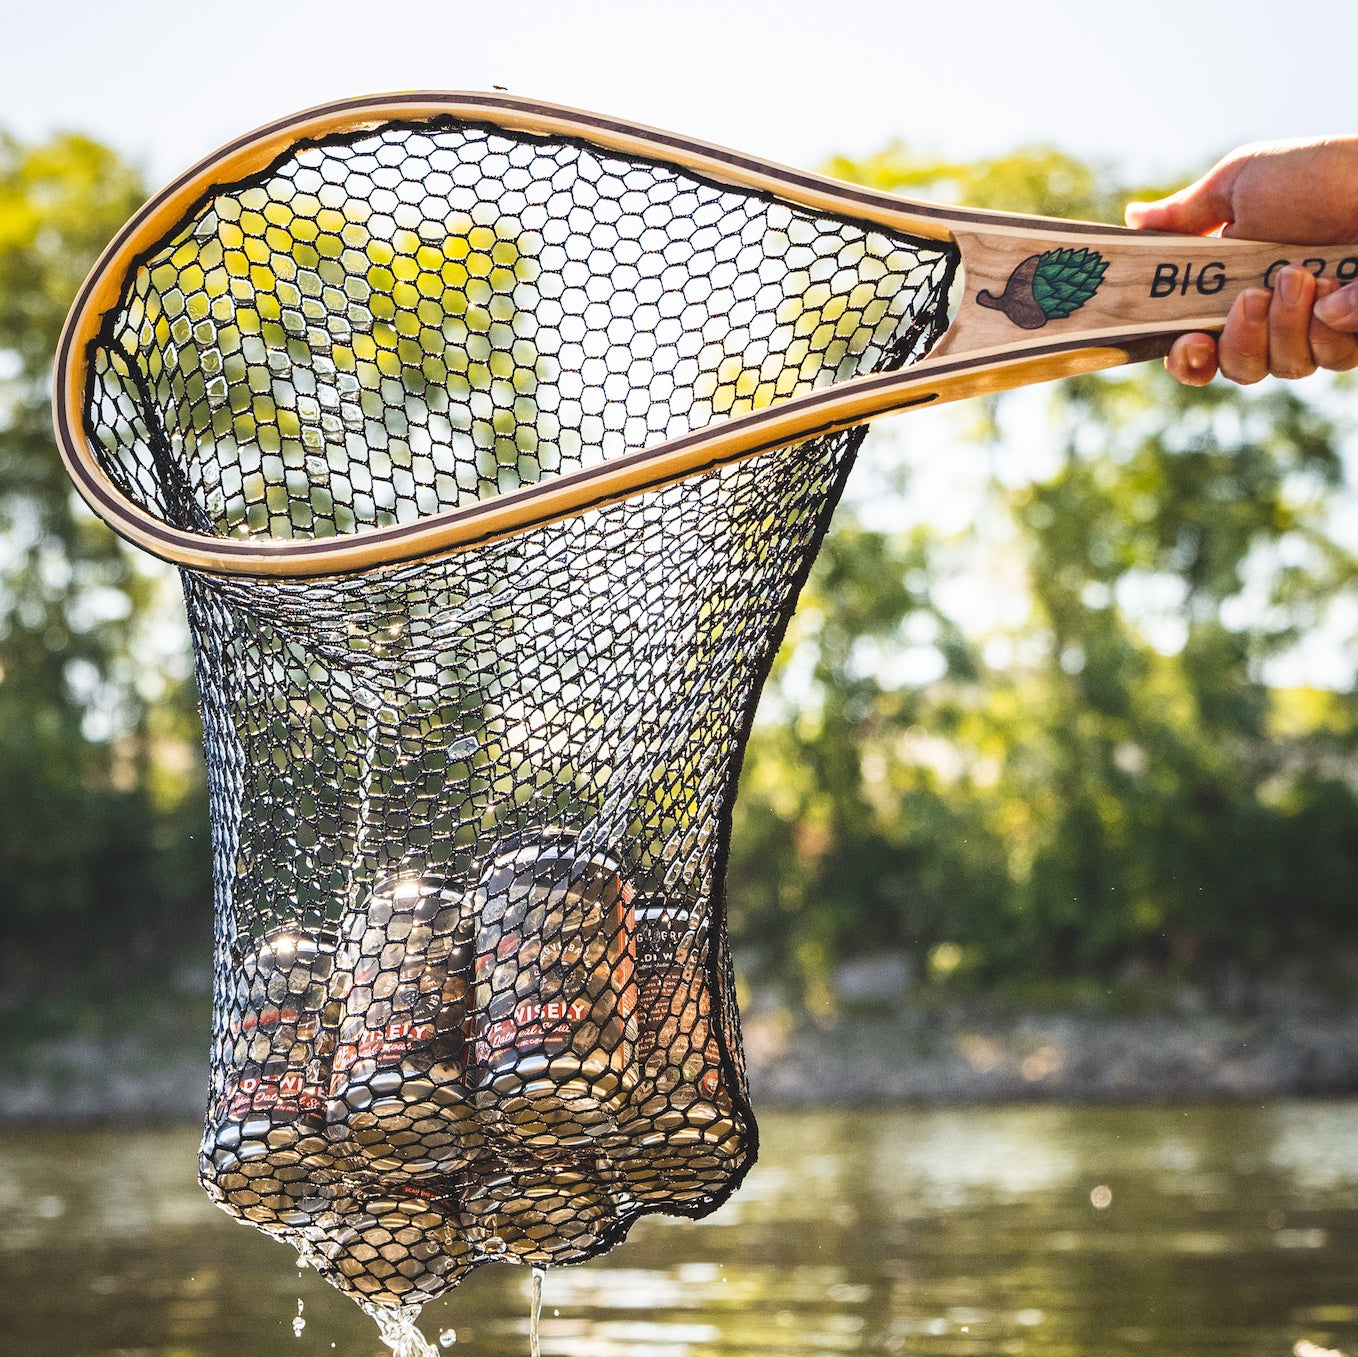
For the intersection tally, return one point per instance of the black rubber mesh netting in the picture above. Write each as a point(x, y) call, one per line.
point(470, 815)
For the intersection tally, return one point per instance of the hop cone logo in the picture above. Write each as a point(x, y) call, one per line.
point(1048, 287)
point(1066, 279)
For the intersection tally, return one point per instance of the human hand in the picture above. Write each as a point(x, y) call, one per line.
point(1297, 192)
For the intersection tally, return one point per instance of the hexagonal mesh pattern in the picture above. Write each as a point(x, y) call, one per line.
point(471, 814)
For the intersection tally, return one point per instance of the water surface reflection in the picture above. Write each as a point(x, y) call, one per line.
point(1059, 1232)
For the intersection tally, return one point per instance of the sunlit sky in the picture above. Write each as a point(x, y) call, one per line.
point(1157, 86)
point(1157, 89)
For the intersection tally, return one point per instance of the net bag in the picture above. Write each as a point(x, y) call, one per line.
point(471, 809)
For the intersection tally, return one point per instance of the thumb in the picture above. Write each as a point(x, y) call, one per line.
point(1201, 208)
point(1195, 210)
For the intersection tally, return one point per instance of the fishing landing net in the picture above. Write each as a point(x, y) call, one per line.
point(470, 815)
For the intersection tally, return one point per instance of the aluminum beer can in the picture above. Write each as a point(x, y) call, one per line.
point(398, 1088)
point(402, 1245)
point(264, 1155)
point(539, 1211)
point(681, 1130)
point(555, 994)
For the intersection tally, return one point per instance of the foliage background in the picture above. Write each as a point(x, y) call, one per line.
point(1059, 750)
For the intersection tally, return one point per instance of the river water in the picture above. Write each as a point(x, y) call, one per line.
point(1037, 1230)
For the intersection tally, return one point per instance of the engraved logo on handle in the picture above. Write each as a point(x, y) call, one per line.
point(1048, 286)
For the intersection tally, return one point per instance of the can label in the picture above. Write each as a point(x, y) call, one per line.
point(266, 1018)
point(555, 958)
point(289, 1092)
point(674, 1004)
point(387, 1045)
point(533, 1026)
point(278, 1058)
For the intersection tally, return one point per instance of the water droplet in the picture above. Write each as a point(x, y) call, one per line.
point(447, 1338)
point(463, 748)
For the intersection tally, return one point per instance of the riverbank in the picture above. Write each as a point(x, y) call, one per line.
point(974, 1052)
point(978, 1054)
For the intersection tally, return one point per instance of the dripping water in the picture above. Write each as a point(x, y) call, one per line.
point(535, 1311)
point(397, 1327)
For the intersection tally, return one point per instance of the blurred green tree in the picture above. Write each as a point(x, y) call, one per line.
point(1118, 778)
point(99, 785)
point(1113, 782)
